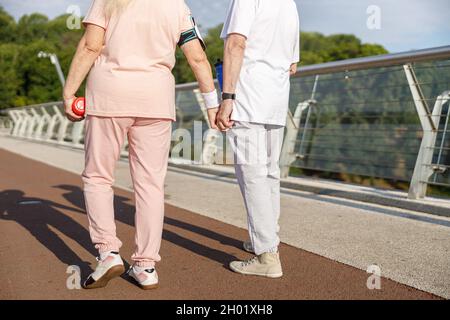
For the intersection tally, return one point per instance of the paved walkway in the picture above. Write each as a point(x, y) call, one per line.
point(410, 247)
point(43, 230)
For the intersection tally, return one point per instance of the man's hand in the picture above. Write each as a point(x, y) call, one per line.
point(212, 116)
point(293, 69)
point(68, 101)
point(224, 116)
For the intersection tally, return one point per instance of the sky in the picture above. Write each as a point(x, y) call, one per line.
point(403, 24)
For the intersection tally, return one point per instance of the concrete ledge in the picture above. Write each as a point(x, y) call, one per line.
point(391, 198)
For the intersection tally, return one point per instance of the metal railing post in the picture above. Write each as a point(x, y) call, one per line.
point(23, 126)
point(51, 126)
point(429, 121)
point(37, 125)
point(288, 155)
point(441, 147)
point(16, 120)
point(63, 124)
point(31, 123)
point(43, 120)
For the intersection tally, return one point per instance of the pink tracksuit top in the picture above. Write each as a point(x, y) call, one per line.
point(132, 76)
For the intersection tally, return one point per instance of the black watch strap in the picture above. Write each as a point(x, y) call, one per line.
point(228, 96)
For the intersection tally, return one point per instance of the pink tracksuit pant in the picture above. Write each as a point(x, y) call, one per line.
point(149, 144)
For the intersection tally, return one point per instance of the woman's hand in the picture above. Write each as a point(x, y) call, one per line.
point(88, 50)
point(68, 101)
point(212, 117)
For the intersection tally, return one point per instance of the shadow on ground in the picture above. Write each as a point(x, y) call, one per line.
point(37, 215)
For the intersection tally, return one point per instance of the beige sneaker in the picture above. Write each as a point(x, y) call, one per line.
point(266, 265)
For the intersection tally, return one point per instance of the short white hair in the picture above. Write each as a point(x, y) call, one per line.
point(114, 6)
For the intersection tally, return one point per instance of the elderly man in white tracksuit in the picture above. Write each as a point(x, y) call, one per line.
point(262, 50)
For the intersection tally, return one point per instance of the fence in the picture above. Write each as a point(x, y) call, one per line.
point(383, 117)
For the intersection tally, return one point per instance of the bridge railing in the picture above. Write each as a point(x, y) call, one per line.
point(383, 117)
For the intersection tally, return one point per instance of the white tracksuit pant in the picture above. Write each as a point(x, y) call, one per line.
point(257, 149)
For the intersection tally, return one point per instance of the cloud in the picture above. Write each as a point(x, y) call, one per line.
point(405, 24)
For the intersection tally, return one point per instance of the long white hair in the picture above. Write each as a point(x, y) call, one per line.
point(115, 6)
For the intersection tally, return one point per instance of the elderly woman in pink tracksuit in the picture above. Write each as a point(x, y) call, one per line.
point(129, 51)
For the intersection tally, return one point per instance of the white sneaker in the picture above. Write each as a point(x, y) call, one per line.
point(265, 265)
point(247, 245)
point(147, 279)
point(110, 266)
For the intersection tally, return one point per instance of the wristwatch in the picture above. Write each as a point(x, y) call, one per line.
point(228, 96)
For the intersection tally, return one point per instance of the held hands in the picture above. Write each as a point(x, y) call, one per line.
point(68, 101)
point(219, 116)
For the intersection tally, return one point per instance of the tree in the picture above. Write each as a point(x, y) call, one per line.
point(317, 48)
point(32, 27)
point(7, 26)
point(215, 44)
point(40, 82)
point(11, 83)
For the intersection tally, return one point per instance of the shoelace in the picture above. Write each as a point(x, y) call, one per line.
point(249, 261)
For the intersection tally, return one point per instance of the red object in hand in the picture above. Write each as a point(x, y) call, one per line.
point(79, 107)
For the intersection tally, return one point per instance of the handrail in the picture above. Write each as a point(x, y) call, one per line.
point(380, 61)
point(47, 104)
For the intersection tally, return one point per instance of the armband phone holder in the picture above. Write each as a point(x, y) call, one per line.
point(192, 34)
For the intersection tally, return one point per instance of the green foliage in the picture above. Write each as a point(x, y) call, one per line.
point(31, 28)
point(39, 80)
point(27, 79)
point(317, 48)
point(215, 44)
point(7, 26)
point(9, 78)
